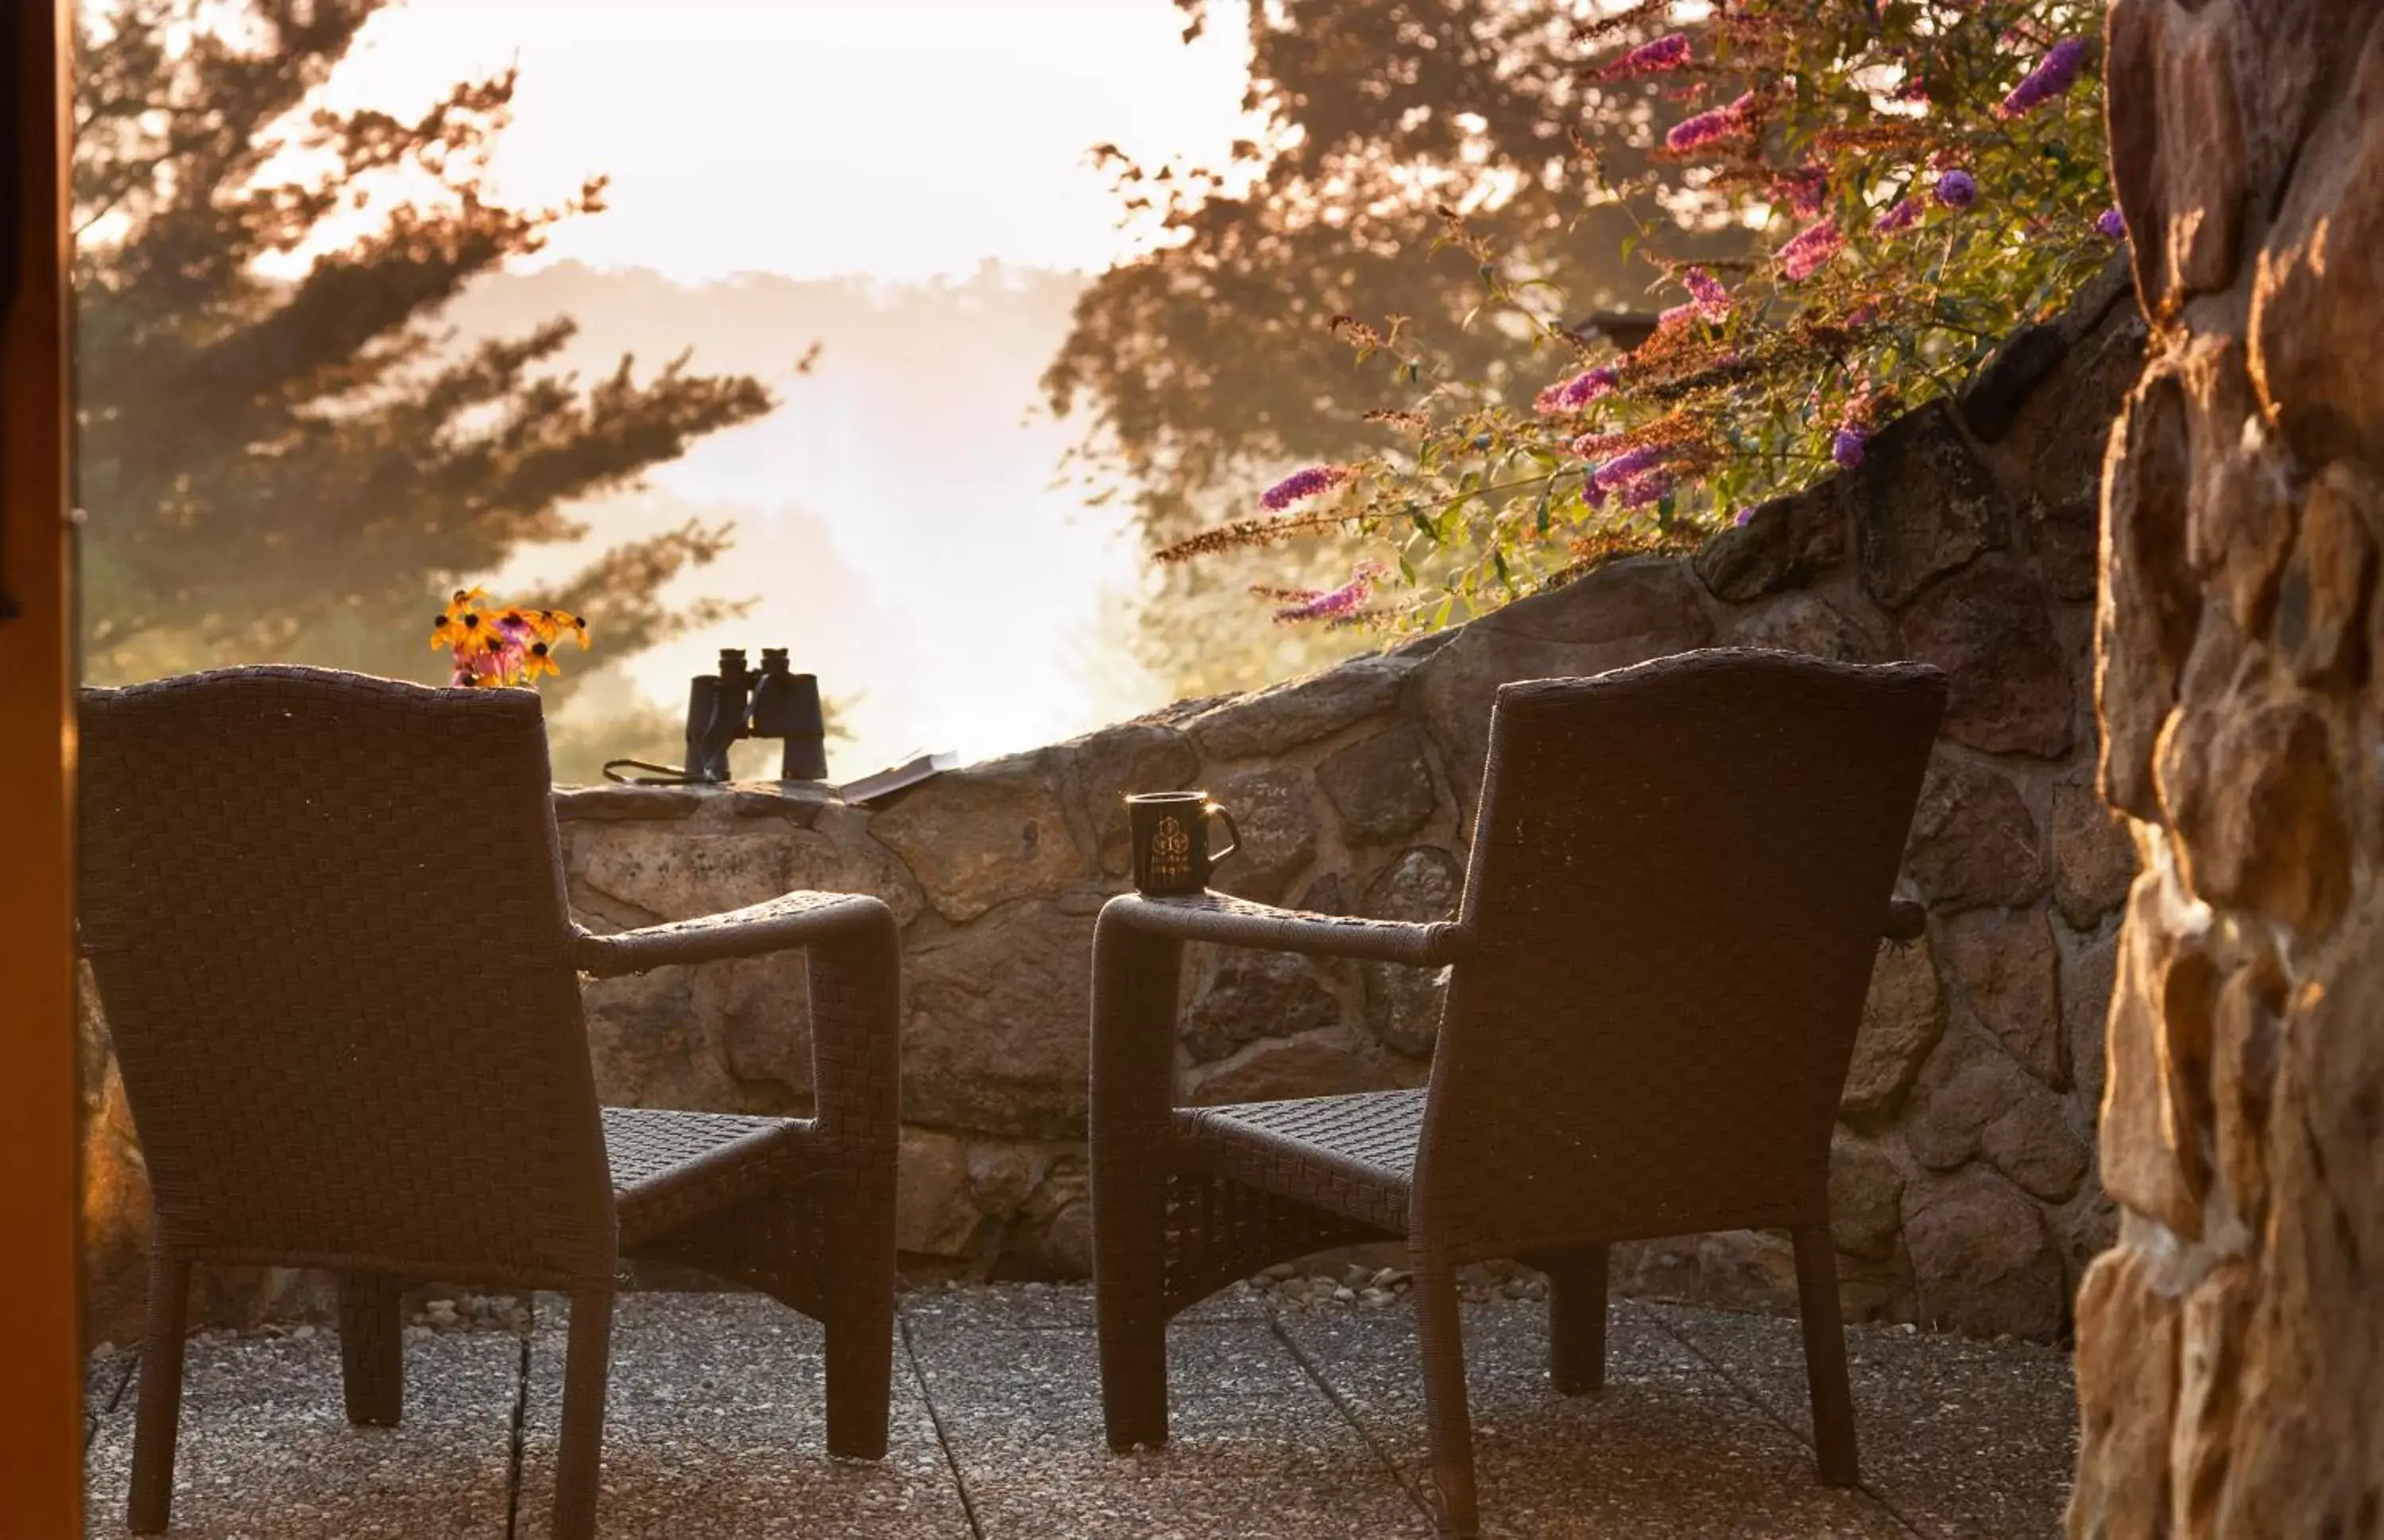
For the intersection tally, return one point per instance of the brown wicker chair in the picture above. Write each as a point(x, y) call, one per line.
point(327, 917)
point(1679, 875)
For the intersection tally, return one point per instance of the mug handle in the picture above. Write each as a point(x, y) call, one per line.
point(1233, 834)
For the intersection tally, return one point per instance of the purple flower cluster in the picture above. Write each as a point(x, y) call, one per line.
point(1846, 445)
point(1707, 289)
point(1650, 59)
point(1573, 394)
point(1648, 489)
point(1626, 466)
point(2053, 75)
point(2112, 224)
point(1957, 189)
point(1302, 484)
point(1590, 445)
point(1811, 247)
point(1334, 603)
point(1899, 217)
point(1742, 518)
point(1716, 124)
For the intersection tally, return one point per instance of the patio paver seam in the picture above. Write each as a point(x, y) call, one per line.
point(519, 1434)
point(1349, 1415)
point(935, 1417)
point(1746, 1393)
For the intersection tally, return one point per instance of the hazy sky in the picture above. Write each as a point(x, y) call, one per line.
point(898, 138)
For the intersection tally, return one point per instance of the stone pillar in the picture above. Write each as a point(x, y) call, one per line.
point(2230, 1347)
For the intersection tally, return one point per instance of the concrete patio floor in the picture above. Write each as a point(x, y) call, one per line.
point(1297, 1422)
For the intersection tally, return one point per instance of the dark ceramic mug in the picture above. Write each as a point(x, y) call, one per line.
point(1171, 840)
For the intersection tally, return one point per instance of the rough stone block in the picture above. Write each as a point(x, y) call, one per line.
point(985, 835)
point(1403, 1004)
point(1982, 1262)
point(1287, 715)
point(1865, 1196)
point(1902, 1017)
point(994, 1040)
point(2093, 858)
point(1275, 811)
point(1992, 400)
point(2010, 976)
point(1973, 841)
point(1923, 503)
point(1988, 628)
point(1380, 787)
point(1249, 995)
point(1785, 543)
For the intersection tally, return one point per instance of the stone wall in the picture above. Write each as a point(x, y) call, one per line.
point(1961, 1186)
point(2230, 1349)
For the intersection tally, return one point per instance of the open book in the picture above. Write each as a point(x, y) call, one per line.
point(898, 777)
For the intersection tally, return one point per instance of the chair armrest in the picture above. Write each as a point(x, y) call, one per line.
point(1905, 920)
point(788, 920)
point(1239, 922)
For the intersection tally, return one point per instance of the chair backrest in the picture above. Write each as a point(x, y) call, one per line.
point(1679, 877)
point(326, 918)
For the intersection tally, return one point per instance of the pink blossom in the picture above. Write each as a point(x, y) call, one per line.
point(1811, 247)
point(1706, 127)
point(1650, 59)
point(1590, 445)
point(1707, 289)
point(1301, 484)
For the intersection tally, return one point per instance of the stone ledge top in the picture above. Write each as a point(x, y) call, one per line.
point(800, 800)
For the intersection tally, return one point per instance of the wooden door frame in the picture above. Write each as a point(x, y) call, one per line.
point(41, 1387)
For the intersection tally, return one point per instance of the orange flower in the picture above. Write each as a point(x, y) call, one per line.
point(462, 626)
point(554, 625)
point(537, 658)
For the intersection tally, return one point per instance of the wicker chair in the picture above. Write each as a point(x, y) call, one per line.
point(1679, 875)
point(327, 917)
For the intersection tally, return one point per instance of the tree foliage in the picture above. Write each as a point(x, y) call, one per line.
point(280, 453)
point(1200, 368)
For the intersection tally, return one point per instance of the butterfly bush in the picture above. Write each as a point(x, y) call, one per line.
point(1916, 178)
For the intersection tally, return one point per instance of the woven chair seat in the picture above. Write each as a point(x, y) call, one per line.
point(1354, 1155)
point(670, 1167)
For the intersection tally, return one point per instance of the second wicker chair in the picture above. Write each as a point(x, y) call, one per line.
point(1679, 874)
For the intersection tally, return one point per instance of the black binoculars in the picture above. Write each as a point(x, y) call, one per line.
point(737, 703)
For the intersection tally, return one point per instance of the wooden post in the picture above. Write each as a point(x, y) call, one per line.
point(40, 1426)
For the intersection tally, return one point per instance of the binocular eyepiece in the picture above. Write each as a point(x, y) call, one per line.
point(737, 703)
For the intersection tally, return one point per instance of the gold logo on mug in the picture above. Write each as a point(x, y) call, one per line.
point(1171, 850)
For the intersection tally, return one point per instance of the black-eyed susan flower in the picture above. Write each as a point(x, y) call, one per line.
point(462, 626)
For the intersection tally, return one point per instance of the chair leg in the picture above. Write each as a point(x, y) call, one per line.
point(372, 1357)
point(1132, 1335)
point(861, 1330)
point(1825, 1354)
point(1444, 1397)
point(1576, 1319)
point(161, 1394)
point(578, 1459)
